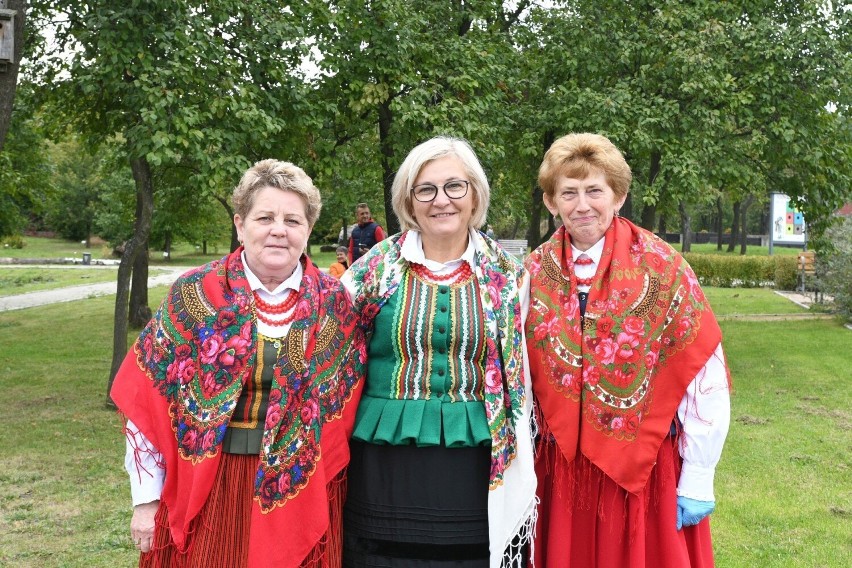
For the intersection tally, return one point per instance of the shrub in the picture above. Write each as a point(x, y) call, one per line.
point(786, 273)
point(15, 241)
point(836, 267)
point(726, 271)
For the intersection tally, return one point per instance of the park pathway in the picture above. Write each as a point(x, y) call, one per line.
point(71, 293)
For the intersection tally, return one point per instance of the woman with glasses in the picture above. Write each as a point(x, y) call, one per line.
point(442, 467)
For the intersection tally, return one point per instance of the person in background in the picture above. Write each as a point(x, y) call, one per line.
point(366, 234)
point(442, 466)
point(338, 268)
point(629, 378)
point(234, 396)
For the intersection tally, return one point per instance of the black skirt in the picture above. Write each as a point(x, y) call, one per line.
point(411, 507)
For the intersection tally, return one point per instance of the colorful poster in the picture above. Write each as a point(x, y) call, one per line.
point(788, 223)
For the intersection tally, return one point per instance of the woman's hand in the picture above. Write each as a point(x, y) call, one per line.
point(142, 525)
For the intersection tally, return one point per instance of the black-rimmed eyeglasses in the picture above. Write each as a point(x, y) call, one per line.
point(426, 192)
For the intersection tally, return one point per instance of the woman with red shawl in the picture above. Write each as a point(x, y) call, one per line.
point(236, 397)
point(629, 377)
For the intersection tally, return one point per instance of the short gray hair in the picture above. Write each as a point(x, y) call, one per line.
point(280, 175)
point(439, 147)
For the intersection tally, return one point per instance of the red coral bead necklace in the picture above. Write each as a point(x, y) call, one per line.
point(584, 260)
point(460, 274)
point(264, 309)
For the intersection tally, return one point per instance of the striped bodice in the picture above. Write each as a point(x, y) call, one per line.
point(428, 345)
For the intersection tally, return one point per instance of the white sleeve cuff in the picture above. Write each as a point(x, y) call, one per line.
point(696, 482)
point(144, 465)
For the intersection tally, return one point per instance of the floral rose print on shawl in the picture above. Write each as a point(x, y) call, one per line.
point(609, 361)
point(499, 276)
point(198, 351)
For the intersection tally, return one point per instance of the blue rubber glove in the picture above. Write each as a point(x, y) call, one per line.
point(690, 511)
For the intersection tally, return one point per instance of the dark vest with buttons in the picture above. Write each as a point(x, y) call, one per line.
point(363, 237)
point(245, 430)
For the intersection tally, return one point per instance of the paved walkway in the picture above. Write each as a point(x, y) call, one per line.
point(71, 293)
point(798, 298)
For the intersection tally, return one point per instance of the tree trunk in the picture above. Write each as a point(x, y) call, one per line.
point(344, 241)
point(534, 229)
point(204, 247)
point(686, 228)
point(534, 236)
point(140, 311)
point(141, 230)
point(649, 217)
point(649, 211)
point(516, 226)
point(235, 240)
point(718, 225)
point(743, 228)
point(167, 247)
point(627, 208)
point(551, 227)
point(388, 171)
point(735, 227)
point(9, 77)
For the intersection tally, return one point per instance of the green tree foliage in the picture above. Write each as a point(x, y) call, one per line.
point(702, 97)
point(712, 102)
point(79, 186)
point(405, 71)
point(185, 84)
point(26, 174)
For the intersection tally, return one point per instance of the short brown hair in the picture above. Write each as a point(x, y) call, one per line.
point(577, 155)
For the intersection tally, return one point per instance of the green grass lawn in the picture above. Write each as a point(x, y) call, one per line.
point(783, 487)
point(43, 247)
point(748, 301)
point(751, 250)
point(183, 254)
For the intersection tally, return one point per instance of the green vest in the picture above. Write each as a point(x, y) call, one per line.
point(426, 368)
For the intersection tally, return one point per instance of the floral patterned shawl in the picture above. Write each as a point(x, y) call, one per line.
point(180, 384)
point(508, 408)
point(608, 385)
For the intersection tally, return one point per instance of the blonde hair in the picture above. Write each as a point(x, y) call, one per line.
point(577, 155)
point(433, 149)
point(280, 175)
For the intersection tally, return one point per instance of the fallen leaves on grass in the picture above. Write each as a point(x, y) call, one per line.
point(751, 420)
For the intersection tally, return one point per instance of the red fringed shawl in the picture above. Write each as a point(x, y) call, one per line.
point(608, 385)
point(180, 383)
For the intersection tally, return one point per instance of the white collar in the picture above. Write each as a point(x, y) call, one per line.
point(412, 251)
point(595, 252)
point(292, 283)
